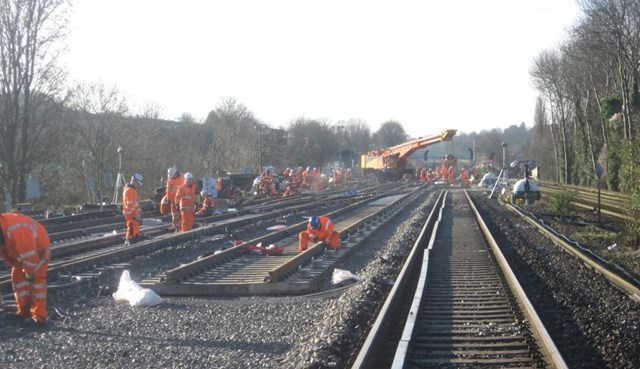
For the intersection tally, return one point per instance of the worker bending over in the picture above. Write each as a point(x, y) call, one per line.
point(24, 245)
point(131, 209)
point(207, 204)
point(320, 228)
point(185, 198)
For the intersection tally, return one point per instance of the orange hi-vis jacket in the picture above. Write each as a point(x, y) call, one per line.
point(186, 197)
point(325, 231)
point(172, 186)
point(26, 243)
point(207, 206)
point(130, 204)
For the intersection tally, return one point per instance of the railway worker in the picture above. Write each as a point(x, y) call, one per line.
point(131, 209)
point(464, 177)
point(306, 177)
point(207, 204)
point(185, 199)
point(320, 228)
point(348, 175)
point(174, 180)
point(452, 174)
point(445, 174)
point(423, 176)
point(24, 245)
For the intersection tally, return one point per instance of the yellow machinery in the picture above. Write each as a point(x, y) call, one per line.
point(391, 163)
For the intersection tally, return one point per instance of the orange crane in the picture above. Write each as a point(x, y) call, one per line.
point(391, 162)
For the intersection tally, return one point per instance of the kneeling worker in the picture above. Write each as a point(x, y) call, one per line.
point(24, 245)
point(319, 228)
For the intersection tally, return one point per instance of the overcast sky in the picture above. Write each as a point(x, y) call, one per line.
point(430, 65)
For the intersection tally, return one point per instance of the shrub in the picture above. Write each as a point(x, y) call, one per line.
point(559, 202)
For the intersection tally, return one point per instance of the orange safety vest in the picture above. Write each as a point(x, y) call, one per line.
point(26, 242)
point(130, 205)
point(207, 204)
point(172, 186)
point(186, 197)
point(325, 231)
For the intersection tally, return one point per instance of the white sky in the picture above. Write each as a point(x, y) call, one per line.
point(428, 64)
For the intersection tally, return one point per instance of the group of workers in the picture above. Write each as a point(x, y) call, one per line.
point(296, 179)
point(448, 175)
point(179, 201)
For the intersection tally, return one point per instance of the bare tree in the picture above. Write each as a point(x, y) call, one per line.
point(100, 114)
point(151, 110)
point(30, 84)
point(548, 77)
point(235, 137)
point(614, 27)
point(389, 134)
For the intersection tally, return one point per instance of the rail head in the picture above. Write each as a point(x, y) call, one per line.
point(548, 346)
point(366, 351)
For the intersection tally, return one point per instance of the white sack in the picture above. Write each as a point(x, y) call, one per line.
point(340, 275)
point(130, 291)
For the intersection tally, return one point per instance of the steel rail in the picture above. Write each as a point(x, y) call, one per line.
point(617, 276)
point(548, 346)
point(187, 270)
point(374, 338)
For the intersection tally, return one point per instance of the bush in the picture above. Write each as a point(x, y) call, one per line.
point(559, 202)
point(632, 231)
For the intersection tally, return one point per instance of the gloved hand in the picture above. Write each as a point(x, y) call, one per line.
point(138, 219)
point(30, 277)
point(314, 238)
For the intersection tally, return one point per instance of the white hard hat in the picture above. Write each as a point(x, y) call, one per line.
point(203, 193)
point(137, 177)
point(171, 172)
point(188, 175)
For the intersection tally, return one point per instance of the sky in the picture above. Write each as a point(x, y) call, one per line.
point(429, 65)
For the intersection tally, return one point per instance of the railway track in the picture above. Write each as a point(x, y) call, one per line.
point(238, 271)
point(79, 250)
point(459, 301)
point(611, 203)
point(615, 274)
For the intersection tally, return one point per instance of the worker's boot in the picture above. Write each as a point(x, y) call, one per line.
point(127, 243)
point(35, 322)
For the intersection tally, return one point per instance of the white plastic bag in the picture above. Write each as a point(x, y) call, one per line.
point(341, 275)
point(130, 291)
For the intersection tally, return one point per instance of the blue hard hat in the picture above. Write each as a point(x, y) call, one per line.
point(314, 222)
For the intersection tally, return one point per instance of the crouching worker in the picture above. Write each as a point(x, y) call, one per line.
point(207, 204)
point(24, 245)
point(320, 228)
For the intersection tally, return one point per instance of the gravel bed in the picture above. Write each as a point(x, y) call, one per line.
point(593, 324)
point(88, 329)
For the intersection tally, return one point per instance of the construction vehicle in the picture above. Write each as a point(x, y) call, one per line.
point(391, 163)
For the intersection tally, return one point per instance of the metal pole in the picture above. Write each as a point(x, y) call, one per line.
point(260, 147)
point(504, 160)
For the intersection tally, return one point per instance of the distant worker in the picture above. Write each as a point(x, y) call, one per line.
point(423, 176)
point(175, 179)
point(131, 209)
point(24, 245)
point(348, 175)
point(185, 199)
point(452, 174)
point(464, 177)
point(320, 228)
point(207, 204)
